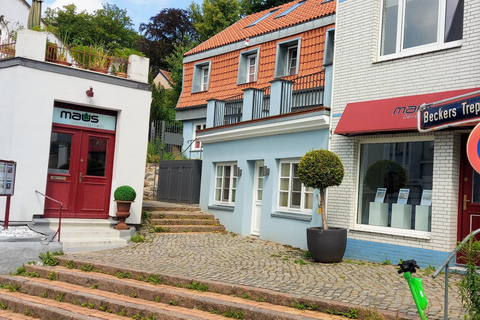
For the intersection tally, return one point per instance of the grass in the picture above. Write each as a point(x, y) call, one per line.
point(197, 286)
point(69, 264)
point(300, 262)
point(137, 238)
point(305, 306)
point(233, 314)
point(88, 267)
point(49, 259)
point(351, 313)
point(123, 275)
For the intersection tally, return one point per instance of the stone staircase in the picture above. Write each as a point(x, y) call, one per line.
point(84, 234)
point(80, 290)
point(165, 218)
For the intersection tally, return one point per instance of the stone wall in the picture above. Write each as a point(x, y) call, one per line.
point(151, 173)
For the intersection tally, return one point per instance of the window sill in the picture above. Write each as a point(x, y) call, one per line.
point(221, 207)
point(404, 233)
point(419, 51)
point(292, 215)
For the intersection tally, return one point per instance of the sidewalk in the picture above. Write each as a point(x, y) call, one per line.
point(236, 259)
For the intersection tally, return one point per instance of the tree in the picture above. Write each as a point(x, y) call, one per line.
point(321, 169)
point(214, 16)
point(170, 27)
point(252, 6)
point(109, 26)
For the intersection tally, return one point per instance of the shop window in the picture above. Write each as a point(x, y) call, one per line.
point(396, 185)
point(286, 62)
point(197, 145)
point(225, 183)
point(201, 77)
point(292, 194)
point(413, 26)
point(248, 66)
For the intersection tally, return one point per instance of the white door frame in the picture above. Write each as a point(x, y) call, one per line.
point(257, 203)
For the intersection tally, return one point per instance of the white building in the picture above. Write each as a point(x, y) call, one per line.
point(75, 134)
point(382, 72)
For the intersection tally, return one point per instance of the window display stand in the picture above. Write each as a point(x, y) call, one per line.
point(423, 218)
point(401, 216)
point(378, 214)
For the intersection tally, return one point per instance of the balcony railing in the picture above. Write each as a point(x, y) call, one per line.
point(302, 93)
point(228, 111)
point(7, 51)
point(261, 103)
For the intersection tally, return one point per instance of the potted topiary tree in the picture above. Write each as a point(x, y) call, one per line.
point(124, 196)
point(321, 169)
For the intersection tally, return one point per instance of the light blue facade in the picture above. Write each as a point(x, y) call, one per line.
point(290, 228)
point(188, 134)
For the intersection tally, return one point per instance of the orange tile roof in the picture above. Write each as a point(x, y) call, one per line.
point(310, 10)
point(224, 70)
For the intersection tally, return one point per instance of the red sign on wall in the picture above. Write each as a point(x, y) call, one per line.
point(473, 148)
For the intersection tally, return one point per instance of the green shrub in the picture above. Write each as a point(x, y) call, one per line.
point(321, 169)
point(386, 174)
point(125, 193)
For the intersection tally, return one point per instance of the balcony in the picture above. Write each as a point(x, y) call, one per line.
point(33, 45)
point(282, 97)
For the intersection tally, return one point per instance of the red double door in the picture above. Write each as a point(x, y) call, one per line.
point(80, 172)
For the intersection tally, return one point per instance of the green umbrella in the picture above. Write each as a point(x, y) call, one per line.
point(35, 14)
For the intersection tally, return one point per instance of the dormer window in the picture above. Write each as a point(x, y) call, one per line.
point(248, 66)
point(201, 76)
point(286, 62)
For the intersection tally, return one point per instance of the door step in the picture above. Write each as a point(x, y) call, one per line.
point(177, 221)
point(84, 234)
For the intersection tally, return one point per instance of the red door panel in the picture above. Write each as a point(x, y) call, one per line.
point(469, 198)
point(80, 172)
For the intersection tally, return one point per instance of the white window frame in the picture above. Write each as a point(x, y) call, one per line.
point(440, 44)
point(290, 58)
point(232, 183)
point(250, 58)
point(303, 191)
point(378, 229)
point(196, 127)
point(205, 76)
point(243, 75)
point(200, 80)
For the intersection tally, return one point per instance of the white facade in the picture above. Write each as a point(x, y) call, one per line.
point(30, 88)
point(362, 74)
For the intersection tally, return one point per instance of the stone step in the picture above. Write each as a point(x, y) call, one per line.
point(97, 288)
point(71, 244)
point(10, 315)
point(166, 222)
point(98, 303)
point(181, 215)
point(163, 206)
point(188, 228)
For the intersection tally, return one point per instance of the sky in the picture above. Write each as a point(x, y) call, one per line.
point(138, 10)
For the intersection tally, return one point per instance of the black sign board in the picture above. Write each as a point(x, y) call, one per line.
point(450, 112)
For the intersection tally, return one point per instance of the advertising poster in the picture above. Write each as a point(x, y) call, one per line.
point(403, 196)
point(7, 177)
point(380, 196)
point(426, 198)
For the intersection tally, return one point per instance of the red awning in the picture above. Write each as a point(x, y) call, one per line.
point(388, 115)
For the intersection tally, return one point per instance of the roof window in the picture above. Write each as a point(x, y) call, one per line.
point(261, 18)
point(298, 4)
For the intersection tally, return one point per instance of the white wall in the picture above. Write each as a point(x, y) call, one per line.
point(26, 109)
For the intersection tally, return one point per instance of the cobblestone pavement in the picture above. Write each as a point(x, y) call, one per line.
point(243, 260)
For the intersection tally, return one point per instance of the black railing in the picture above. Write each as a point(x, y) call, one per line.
point(302, 93)
point(228, 111)
point(261, 103)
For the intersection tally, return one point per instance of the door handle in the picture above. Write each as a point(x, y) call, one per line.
point(80, 178)
point(465, 201)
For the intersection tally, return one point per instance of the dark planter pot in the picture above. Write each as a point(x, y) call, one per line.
point(123, 212)
point(327, 246)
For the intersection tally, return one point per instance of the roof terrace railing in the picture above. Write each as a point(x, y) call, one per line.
point(303, 92)
point(228, 111)
point(261, 103)
point(7, 51)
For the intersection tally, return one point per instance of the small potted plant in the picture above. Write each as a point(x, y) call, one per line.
point(321, 169)
point(124, 196)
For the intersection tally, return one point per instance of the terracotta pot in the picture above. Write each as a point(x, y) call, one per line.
point(101, 70)
point(123, 212)
point(64, 63)
point(122, 74)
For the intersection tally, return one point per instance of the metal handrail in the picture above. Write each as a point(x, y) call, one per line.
point(445, 265)
point(60, 217)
